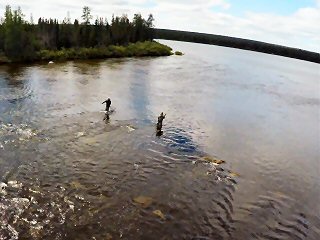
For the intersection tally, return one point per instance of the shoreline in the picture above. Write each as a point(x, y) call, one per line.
point(138, 49)
point(233, 42)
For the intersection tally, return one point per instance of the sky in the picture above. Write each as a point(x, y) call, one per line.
point(294, 23)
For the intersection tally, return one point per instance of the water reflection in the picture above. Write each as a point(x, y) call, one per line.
point(106, 117)
point(139, 90)
point(71, 171)
point(14, 74)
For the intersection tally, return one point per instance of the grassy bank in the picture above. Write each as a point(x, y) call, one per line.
point(139, 49)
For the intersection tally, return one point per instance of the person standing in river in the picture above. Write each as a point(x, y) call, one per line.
point(160, 120)
point(108, 104)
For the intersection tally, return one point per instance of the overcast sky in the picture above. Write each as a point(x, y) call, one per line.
point(294, 23)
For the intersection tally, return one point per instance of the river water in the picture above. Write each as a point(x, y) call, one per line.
point(67, 172)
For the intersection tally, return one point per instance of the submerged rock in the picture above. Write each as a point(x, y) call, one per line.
point(234, 174)
point(159, 214)
point(143, 201)
point(213, 160)
point(77, 185)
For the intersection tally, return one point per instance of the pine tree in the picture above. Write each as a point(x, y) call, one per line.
point(86, 15)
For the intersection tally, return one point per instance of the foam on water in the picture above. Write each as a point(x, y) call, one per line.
point(29, 212)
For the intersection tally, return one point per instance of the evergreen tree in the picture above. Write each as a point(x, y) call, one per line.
point(19, 43)
point(20, 40)
point(86, 15)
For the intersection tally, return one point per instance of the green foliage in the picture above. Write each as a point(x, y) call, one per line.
point(148, 48)
point(138, 49)
point(2, 36)
point(178, 53)
point(20, 40)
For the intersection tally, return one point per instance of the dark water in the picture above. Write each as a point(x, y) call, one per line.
point(69, 174)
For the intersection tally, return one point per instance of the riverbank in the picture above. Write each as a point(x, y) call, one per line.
point(138, 49)
point(240, 43)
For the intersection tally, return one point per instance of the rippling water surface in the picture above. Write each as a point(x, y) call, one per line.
point(67, 172)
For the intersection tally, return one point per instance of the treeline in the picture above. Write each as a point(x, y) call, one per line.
point(237, 43)
point(22, 40)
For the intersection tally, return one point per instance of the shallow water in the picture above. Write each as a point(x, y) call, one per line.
point(69, 173)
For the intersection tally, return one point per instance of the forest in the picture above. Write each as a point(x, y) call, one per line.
point(26, 41)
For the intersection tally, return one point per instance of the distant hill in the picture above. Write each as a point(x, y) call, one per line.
point(237, 43)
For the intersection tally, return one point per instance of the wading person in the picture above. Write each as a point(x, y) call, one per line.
point(159, 123)
point(108, 104)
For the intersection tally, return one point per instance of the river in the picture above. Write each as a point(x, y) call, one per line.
point(68, 172)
